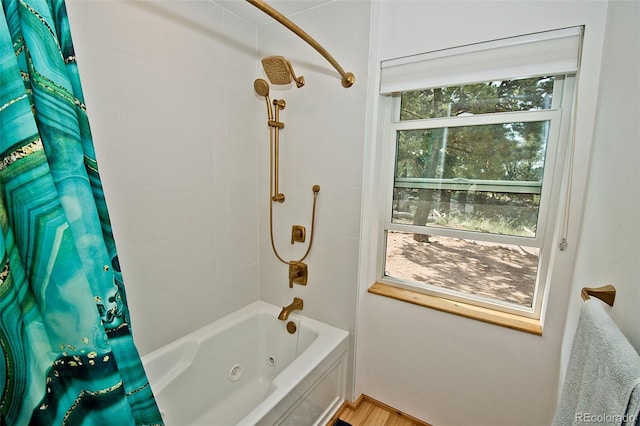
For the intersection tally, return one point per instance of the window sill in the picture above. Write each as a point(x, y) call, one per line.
point(516, 322)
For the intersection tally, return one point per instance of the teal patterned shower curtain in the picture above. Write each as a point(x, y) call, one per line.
point(68, 357)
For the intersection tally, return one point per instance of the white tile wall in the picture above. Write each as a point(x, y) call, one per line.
point(322, 143)
point(183, 148)
point(169, 89)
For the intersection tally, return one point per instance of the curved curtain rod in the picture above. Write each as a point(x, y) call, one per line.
point(347, 78)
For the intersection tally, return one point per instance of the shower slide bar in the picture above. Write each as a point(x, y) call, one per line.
point(606, 293)
point(347, 78)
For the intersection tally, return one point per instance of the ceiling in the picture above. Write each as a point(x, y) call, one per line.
point(257, 17)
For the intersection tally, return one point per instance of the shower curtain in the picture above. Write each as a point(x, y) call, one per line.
point(68, 356)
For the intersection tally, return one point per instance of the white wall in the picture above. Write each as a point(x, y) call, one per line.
point(182, 144)
point(169, 92)
point(439, 367)
point(322, 143)
point(608, 252)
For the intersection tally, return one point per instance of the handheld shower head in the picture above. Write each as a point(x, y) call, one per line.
point(280, 71)
point(262, 88)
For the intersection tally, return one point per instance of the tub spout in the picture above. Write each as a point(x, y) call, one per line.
point(286, 310)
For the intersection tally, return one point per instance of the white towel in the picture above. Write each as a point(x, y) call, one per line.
point(602, 385)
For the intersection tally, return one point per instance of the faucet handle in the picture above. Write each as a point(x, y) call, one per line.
point(297, 273)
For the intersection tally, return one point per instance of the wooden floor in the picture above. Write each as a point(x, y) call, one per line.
point(366, 411)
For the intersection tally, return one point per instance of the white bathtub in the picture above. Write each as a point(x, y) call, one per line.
point(246, 369)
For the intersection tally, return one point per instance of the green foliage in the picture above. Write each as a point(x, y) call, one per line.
point(511, 151)
point(480, 98)
point(500, 225)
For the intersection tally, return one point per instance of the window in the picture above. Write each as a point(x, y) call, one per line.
point(475, 161)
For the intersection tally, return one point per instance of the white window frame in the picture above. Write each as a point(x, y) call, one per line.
point(559, 117)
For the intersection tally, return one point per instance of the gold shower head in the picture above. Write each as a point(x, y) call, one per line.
point(280, 71)
point(262, 88)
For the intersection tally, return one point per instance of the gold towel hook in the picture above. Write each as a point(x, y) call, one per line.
point(606, 293)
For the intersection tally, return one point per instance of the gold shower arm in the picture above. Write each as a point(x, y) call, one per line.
point(347, 78)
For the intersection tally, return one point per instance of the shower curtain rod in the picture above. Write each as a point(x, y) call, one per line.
point(347, 78)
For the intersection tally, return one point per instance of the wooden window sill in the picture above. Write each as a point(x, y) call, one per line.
point(516, 322)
